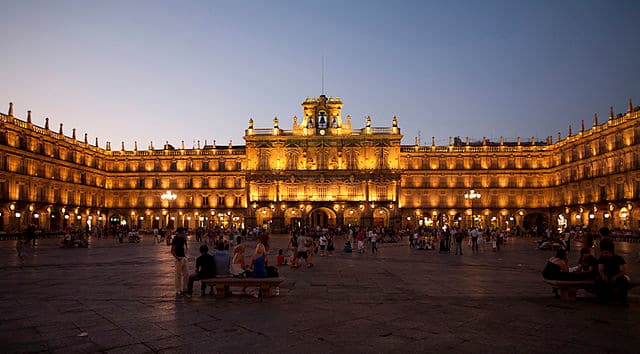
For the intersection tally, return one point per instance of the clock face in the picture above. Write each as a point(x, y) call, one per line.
point(322, 131)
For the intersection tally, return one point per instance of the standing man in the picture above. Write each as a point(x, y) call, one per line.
point(178, 250)
point(474, 240)
point(458, 236)
point(374, 242)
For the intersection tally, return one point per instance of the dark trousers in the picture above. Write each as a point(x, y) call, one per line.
point(474, 244)
point(607, 290)
point(196, 276)
point(458, 247)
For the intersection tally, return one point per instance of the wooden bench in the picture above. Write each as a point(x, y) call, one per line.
point(263, 284)
point(569, 288)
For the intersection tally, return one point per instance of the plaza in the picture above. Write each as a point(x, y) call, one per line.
point(119, 298)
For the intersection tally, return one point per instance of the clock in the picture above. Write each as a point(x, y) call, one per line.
point(322, 132)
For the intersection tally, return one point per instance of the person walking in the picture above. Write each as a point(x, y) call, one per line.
point(458, 236)
point(178, 251)
point(374, 242)
point(474, 240)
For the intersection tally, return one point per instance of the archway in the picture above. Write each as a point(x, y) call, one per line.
point(322, 217)
point(380, 217)
point(351, 216)
point(537, 222)
point(293, 218)
point(264, 216)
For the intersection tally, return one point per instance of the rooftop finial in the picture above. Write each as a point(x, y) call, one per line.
point(135, 146)
point(630, 106)
point(73, 133)
point(394, 121)
point(501, 140)
point(610, 112)
point(595, 120)
point(46, 123)
point(96, 141)
point(569, 131)
point(182, 145)
point(85, 138)
point(199, 144)
point(108, 146)
point(250, 123)
point(417, 142)
point(518, 140)
point(60, 128)
point(368, 122)
point(10, 113)
point(230, 144)
point(559, 137)
point(433, 141)
point(28, 116)
point(275, 122)
point(151, 145)
point(122, 146)
point(582, 126)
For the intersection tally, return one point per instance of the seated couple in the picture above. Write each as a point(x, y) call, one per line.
point(210, 266)
point(258, 265)
point(609, 271)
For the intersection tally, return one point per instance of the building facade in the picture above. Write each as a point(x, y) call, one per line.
point(322, 172)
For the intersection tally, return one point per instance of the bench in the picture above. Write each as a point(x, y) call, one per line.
point(263, 284)
point(569, 288)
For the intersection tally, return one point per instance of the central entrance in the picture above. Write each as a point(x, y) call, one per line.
point(322, 217)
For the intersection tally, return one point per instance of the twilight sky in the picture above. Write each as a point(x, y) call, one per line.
point(198, 70)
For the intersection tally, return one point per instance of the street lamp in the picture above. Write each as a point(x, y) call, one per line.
point(168, 196)
point(472, 195)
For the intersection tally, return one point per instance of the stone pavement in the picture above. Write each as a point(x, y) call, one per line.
point(119, 298)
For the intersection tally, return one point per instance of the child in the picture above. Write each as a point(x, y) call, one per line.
point(280, 260)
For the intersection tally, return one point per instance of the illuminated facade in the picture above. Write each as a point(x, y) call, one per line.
point(322, 172)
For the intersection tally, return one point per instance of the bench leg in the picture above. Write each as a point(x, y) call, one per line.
point(220, 291)
point(568, 294)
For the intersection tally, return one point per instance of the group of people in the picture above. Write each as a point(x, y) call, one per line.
point(609, 271)
point(221, 263)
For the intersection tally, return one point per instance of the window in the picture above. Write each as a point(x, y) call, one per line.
point(205, 165)
point(221, 166)
point(603, 194)
point(221, 201)
point(174, 166)
point(238, 201)
point(205, 201)
point(238, 165)
point(619, 191)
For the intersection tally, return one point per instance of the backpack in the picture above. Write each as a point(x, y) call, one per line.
point(272, 272)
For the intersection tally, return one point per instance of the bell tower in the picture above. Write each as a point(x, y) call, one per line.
point(322, 114)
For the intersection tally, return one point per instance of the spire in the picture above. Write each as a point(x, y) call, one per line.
point(151, 145)
point(250, 123)
point(501, 140)
point(630, 106)
point(46, 123)
point(28, 116)
point(417, 142)
point(135, 146)
point(595, 120)
point(559, 137)
point(85, 138)
point(10, 113)
point(230, 144)
point(533, 140)
point(394, 121)
point(610, 112)
point(582, 126)
point(368, 121)
point(467, 140)
point(122, 148)
point(569, 131)
point(73, 133)
point(96, 141)
point(433, 141)
point(275, 122)
point(61, 129)
point(295, 121)
point(182, 145)
point(108, 146)
point(518, 140)
point(199, 144)
point(450, 141)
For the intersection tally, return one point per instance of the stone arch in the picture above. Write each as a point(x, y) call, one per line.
point(322, 217)
point(381, 217)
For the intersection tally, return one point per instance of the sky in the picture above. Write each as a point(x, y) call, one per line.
point(156, 71)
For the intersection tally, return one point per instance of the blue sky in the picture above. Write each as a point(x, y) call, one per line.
point(198, 70)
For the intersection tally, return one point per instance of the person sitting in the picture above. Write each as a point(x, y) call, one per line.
point(587, 263)
point(557, 268)
point(222, 260)
point(205, 268)
point(612, 276)
point(238, 266)
point(259, 262)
